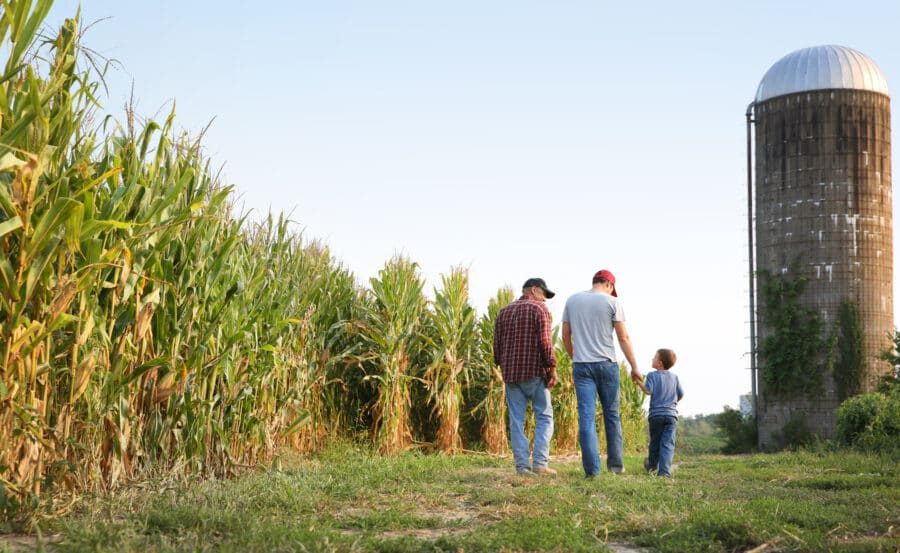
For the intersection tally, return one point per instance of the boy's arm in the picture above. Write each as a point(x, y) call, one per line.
point(642, 384)
point(642, 387)
point(678, 389)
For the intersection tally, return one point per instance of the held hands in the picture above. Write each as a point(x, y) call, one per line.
point(639, 380)
point(636, 376)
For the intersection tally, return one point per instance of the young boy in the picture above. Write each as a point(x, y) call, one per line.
point(665, 392)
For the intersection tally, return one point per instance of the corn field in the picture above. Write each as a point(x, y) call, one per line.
point(565, 405)
point(491, 406)
point(146, 325)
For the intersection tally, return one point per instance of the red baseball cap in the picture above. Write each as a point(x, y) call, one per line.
point(608, 276)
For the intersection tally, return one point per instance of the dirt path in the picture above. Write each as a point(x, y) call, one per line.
point(17, 543)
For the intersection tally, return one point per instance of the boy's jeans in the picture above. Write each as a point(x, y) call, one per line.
point(593, 379)
point(518, 394)
point(662, 444)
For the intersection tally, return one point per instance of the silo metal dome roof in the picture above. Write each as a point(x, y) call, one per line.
point(821, 68)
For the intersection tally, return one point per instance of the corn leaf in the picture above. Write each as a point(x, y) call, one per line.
point(10, 225)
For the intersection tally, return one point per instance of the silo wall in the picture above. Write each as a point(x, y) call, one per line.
point(823, 207)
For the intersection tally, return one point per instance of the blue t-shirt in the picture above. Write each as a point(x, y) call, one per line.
point(664, 393)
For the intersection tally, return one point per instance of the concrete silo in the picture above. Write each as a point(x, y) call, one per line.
point(823, 212)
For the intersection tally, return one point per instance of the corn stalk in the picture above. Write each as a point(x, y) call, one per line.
point(565, 403)
point(491, 409)
point(391, 343)
point(452, 344)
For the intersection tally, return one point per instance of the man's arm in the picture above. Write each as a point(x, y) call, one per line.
point(625, 344)
point(567, 339)
point(497, 331)
point(548, 356)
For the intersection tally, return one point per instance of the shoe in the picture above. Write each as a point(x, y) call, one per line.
point(525, 472)
point(647, 466)
point(544, 471)
point(617, 470)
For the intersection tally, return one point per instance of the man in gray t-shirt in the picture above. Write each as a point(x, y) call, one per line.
point(590, 319)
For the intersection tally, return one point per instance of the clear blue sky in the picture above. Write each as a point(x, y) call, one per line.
point(518, 138)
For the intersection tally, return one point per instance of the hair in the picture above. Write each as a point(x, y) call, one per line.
point(598, 280)
point(667, 357)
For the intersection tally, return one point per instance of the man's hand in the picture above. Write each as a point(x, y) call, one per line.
point(551, 382)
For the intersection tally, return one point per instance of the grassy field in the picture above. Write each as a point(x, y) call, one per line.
point(348, 499)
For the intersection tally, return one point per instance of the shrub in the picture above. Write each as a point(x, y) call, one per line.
point(870, 421)
point(892, 356)
point(740, 433)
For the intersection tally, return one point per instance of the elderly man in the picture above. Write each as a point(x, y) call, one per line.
point(523, 347)
point(589, 320)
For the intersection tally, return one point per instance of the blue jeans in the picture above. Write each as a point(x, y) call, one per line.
point(518, 394)
point(593, 379)
point(662, 444)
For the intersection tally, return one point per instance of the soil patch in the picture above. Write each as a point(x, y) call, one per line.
point(626, 548)
point(21, 542)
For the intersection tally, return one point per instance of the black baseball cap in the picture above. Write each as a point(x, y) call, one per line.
point(539, 282)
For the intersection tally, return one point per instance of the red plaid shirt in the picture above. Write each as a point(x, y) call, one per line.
point(523, 346)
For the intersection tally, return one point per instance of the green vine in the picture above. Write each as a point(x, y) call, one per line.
point(850, 365)
point(792, 353)
point(796, 351)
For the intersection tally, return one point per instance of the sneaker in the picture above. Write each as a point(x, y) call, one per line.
point(617, 470)
point(647, 466)
point(544, 471)
point(525, 472)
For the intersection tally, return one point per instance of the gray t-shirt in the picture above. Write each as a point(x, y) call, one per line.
point(591, 315)
point(665, 389)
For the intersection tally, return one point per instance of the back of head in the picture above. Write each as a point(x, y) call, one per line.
point(667, 358)
point(605, 279)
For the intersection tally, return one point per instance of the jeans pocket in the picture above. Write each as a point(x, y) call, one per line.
point(579, 370)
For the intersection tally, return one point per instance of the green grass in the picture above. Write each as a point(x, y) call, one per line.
point(348, 499)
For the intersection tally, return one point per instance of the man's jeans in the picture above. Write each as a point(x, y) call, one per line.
point(518, 394)
point(662, 444)
point(593, 379)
